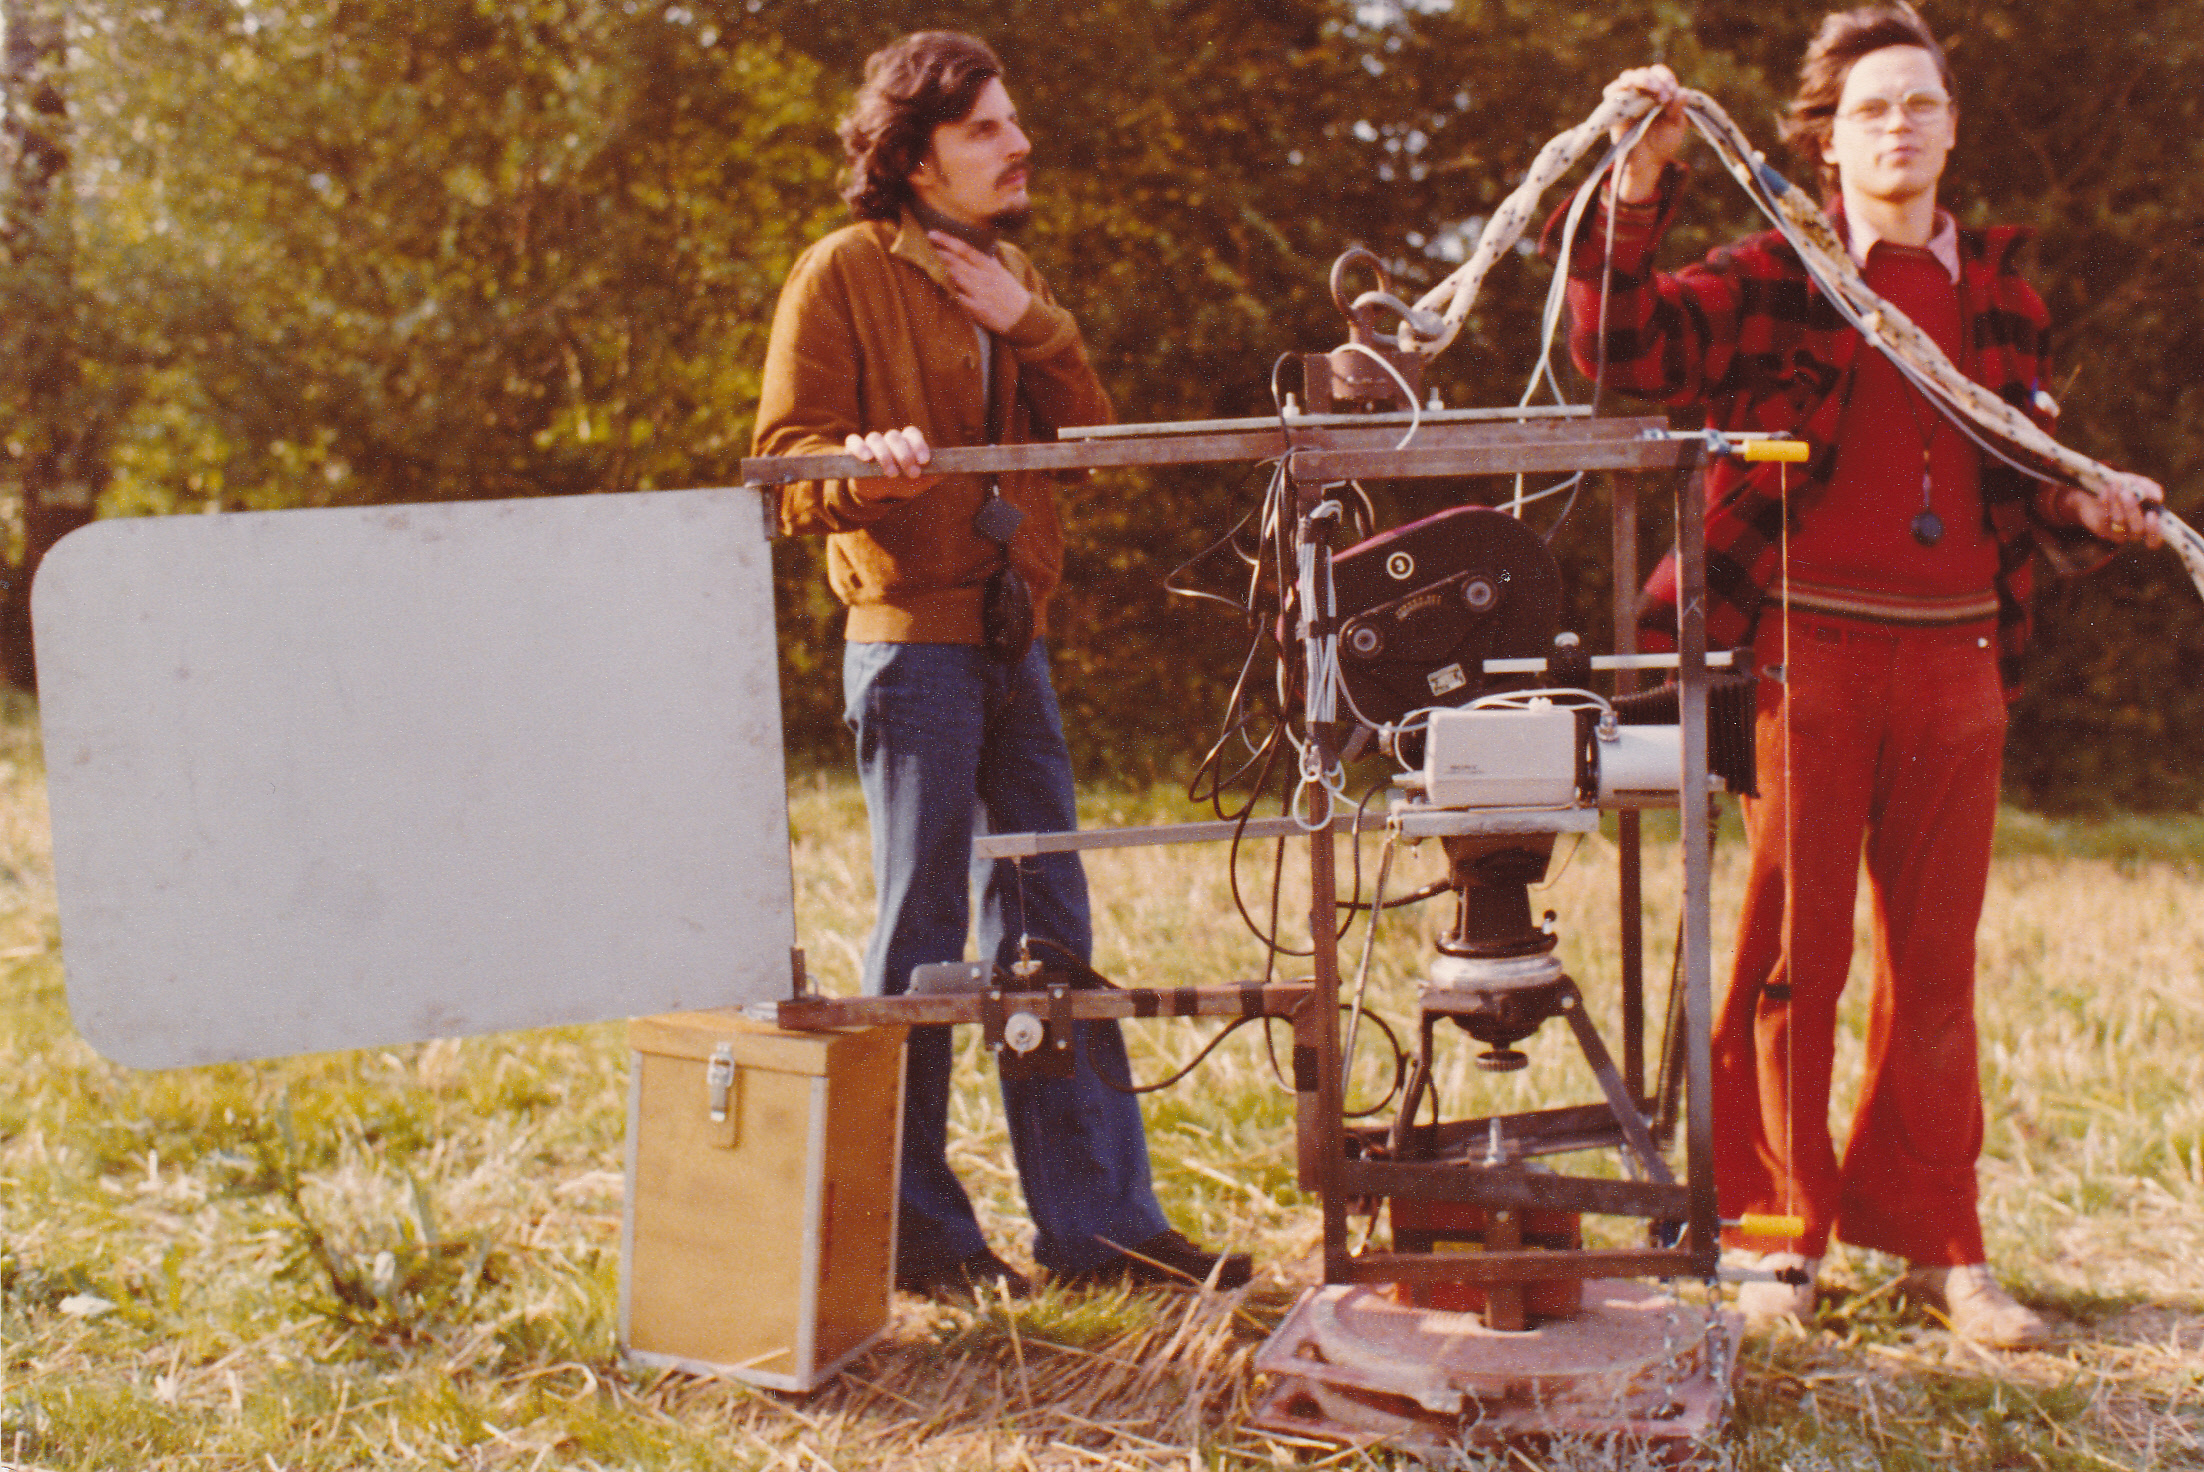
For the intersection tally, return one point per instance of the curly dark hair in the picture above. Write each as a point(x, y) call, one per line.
point(911, 88)
point(1843, 39)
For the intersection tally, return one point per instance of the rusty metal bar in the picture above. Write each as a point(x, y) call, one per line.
point(1324, 1002)
point(1629, 837)
point(1620, 1101)
point(1553, 456)
point(1542, 1132)
point(1398, 420)
point(1078, 840)
point(1312, 1169)
point(1698, 843)
point(1433, 1180)
point(1251, 999)
point(1516, 1267)
point(1505, 448)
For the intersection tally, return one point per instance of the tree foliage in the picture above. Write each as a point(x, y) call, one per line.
point(337, 251)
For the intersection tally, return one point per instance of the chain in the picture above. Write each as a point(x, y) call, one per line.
point(1718, 1361)
point(1672, 1399)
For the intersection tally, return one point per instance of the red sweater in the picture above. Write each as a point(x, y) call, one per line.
point(1746, 337)
point(1853, 550)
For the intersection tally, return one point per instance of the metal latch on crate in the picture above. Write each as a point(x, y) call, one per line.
point(719, 1081)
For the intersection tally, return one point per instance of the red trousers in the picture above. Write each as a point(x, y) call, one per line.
point(1892, 742)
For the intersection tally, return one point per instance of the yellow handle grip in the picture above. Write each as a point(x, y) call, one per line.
point(1760, 1224)
point(1792, 450)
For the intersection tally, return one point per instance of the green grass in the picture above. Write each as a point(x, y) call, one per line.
point(409, 1256)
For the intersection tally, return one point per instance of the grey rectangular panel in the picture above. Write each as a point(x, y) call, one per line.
point(341, 778)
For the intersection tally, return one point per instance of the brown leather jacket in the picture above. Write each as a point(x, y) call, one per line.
point(868, 337)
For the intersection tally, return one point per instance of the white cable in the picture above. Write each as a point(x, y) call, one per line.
point(1415, 410)
point(1808, 231)
point(2188, 545)
point(1529, 699)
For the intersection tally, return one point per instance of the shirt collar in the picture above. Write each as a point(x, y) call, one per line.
point(913, 246)
point(1943, 241)
point(982, 238)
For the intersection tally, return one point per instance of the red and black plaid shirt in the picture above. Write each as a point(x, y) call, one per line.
point(1746, 336)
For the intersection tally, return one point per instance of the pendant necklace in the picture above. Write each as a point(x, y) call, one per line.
point(1928, 527)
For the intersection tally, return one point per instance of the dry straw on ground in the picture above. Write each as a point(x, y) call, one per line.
point(409, 1257)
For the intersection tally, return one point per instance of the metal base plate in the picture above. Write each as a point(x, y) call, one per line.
point(1349, 1364)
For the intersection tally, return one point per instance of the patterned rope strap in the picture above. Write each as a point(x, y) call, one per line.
point(1915, 354)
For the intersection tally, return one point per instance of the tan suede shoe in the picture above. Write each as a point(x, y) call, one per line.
point(1977, 1309)
point(1763, 1302)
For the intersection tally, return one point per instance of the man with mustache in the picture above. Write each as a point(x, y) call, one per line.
point(1884, 587)
point(919, 325)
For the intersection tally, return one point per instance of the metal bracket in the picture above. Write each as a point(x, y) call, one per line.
point(1060, 1024)
point(1030, 1037)
point(769, 508)
point(722, 1083)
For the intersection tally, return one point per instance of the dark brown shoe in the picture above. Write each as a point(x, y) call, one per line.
point(963, 1279)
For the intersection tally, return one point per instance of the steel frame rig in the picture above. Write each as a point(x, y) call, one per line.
point(1350, 1169)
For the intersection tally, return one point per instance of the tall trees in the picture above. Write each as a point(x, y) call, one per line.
point(54, 441)
point(311, 251)
point(403, 252)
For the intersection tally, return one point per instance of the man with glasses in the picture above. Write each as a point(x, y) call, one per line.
point(1884, 589)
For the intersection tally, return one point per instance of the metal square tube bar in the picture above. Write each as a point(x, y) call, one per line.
point(1511, 1187)
point(1249, 999)
point(1691, 639)
point(1458, 448)
point(1516, 1267)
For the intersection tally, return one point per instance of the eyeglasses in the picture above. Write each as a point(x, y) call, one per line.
point(1873, 112)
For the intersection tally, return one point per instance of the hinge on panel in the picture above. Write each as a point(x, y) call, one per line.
point(769, 507)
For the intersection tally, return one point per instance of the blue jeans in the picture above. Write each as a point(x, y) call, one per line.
point(949, 742)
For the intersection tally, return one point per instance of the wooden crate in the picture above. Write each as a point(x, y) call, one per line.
point(760, 1245)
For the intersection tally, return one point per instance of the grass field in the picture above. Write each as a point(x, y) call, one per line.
point(410, 1257)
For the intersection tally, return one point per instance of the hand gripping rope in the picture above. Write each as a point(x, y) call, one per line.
point(1977, 412)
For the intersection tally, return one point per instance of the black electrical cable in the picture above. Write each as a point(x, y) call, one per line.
point(1400, 1068)
point(1429, 891)
point(1268, 937)
point(1129, 1087)
point(1091, 979)
point(1392, 1040)
point(1229, 539)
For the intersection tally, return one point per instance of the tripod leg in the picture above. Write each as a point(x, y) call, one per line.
point(1619, 1102)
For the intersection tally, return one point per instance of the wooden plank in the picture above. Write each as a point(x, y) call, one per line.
point(1535, 443)
point(1518, 1267)
point(857, 1207)
point(1277, 1000)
